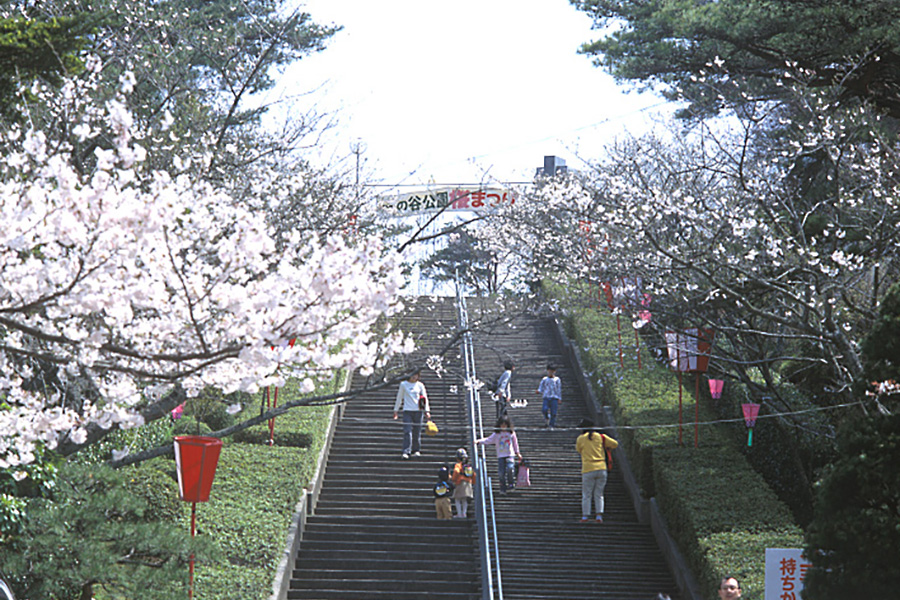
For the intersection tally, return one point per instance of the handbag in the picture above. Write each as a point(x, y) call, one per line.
point(523, 473)
point(430, 428)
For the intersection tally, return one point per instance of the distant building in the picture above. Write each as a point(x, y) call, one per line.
point(553, 166)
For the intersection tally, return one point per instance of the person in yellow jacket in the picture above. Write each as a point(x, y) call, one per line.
point(593, 446)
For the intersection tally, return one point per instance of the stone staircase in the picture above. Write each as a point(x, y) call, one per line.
point(545, 551)
point(374, 534)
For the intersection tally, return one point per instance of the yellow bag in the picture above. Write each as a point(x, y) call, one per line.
point(430, 428)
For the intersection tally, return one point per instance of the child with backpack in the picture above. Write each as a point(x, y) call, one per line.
point(593, 447)
point(504, 437)
point(463, 477)
point(443, 490)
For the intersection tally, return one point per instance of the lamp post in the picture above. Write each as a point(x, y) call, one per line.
point(196, 458)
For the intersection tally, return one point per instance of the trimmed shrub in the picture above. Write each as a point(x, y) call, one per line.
point(260, 435)
point(159, 491)
point(190, 426)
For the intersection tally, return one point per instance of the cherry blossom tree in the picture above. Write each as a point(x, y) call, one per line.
point(124, 290)
point(780, 229)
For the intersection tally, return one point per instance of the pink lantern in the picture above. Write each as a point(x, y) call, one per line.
point(715, 388)
point(751, 411)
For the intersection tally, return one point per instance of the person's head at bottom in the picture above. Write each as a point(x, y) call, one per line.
point(729, 588)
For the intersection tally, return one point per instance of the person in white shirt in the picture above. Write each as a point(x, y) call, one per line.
point(412, 399)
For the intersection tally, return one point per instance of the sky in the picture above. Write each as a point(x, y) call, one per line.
point(461, 92)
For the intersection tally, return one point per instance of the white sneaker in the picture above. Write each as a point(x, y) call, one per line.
point(404, 455)
point(417, 454)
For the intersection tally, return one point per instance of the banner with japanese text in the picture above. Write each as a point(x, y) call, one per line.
point(448, 199)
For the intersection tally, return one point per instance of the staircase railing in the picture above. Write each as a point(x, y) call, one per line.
point(492, 581)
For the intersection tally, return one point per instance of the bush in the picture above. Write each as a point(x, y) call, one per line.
point(211, 407)
point(854, 539)
point(260, 435)
point(149, 435)
point(190, 426)
point(253, 497)
point(158, 489)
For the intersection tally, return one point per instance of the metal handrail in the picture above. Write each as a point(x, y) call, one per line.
point(484, 497)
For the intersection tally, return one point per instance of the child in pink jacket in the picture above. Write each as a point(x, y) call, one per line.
point(504, 437)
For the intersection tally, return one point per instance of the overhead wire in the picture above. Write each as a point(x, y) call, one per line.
point(357, 420)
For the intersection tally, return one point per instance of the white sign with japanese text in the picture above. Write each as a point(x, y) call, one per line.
point(448, 199)
point(785, 571)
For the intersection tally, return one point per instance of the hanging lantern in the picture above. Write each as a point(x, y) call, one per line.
point(196, 457)
point(689, 351)
point(715, 388)
point(751, 411)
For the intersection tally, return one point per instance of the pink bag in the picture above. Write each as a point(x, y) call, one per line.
point(523, 474)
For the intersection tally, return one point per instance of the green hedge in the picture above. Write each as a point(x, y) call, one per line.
point(719, 510)
point(252, 501)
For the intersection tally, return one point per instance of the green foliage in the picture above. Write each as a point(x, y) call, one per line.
point(158, 488)
point(137, 439)
point(260, 435)
point(190, 426)
point(211, 408)
point(722, 513)
point(253, 498)
point(738, 51)
point(12, 515)
point(854, 539)
point(35, 480)
point(476, 264)
point(719, 509)
point(94, 530)
point(38, 50)
point(881, 345)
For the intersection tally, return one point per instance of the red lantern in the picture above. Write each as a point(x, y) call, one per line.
point(196, 457)
point(715, 388)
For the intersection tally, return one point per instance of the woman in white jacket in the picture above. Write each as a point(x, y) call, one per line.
point(412, 399)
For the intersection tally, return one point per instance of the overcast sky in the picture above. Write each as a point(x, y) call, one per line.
point(463, 91)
